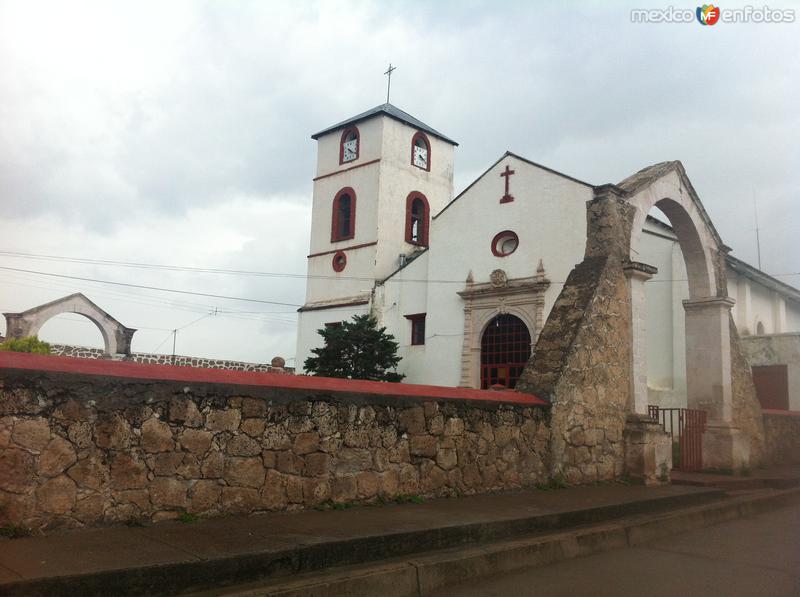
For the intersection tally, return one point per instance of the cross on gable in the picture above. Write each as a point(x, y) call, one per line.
point(507, 198)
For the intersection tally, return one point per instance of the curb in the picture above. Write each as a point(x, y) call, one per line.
point(421, 575)
point(309, 559)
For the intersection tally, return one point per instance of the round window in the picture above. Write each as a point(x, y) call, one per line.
point(504, 243)
point(339, 261)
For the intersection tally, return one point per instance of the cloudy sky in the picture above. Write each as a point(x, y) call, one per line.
point(177, 133)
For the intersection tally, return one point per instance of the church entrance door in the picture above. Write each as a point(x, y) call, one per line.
point(505, 350)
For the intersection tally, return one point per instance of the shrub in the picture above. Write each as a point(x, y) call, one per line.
point(27, 344)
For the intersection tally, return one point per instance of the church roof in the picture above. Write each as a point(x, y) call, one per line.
point(392, 112)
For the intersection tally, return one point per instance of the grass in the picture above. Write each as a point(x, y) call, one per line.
point(188, 517)
point(557, 482)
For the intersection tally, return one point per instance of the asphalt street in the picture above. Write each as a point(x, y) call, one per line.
point(748, 557)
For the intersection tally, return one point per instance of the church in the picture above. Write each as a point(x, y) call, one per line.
point(465, 283)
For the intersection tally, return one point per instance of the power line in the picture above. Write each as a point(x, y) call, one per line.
point(144, 287)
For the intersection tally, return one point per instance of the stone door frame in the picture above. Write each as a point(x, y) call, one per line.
point(521, 297)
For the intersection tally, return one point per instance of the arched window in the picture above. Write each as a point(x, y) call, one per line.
point(760, 329)
point(344, 215)
point(349, 145)
point(421, 151)
point(417, 219)
point(505, 350)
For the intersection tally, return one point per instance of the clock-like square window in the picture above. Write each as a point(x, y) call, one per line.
point(349, 145)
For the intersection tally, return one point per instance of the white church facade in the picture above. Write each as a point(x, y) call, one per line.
point(465, 283)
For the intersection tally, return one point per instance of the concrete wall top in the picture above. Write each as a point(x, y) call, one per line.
point(41, 364)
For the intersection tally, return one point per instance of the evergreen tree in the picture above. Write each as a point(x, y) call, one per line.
point(356, 349)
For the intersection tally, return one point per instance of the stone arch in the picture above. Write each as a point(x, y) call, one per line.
point(709, 331)
point(116, 337)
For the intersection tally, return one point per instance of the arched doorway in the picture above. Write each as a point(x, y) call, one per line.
point(505, 350)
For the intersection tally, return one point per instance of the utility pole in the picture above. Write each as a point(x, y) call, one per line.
point(174, 338)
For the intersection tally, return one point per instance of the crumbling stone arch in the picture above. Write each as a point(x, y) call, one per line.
point(589, 359)
point(709, 374)
point(116, 337)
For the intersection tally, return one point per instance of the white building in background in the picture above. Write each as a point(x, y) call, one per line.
point(465, 283)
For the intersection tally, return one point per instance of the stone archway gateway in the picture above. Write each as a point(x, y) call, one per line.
point(708, 323)
point(590, 357)
point(116, 337)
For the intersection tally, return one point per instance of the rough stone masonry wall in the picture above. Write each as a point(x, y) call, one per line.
point(747, 415)
point(581, 361)
point(782, 437)
point(78, 450)
point(83, 352)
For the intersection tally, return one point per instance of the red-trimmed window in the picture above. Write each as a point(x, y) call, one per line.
point(504, 243)
point(349, 146)
point(418, 214)
point(421, 151)
point(343, 226)
point(417, 328)
point(339, 261)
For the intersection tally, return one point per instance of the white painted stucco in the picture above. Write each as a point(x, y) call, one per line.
point(549, 216)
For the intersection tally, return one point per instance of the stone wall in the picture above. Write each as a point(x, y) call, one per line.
point(78, 449)
point(782, 436)
point(581, 361)
point(746, 409)
point(83, 352)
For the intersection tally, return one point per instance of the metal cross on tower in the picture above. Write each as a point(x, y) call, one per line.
point(389, 84)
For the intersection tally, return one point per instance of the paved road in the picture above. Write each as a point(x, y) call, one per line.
point(748, 557)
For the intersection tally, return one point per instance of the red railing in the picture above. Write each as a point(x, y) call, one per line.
point(686, 426)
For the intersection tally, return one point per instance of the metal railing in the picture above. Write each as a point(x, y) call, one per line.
point(686, 426)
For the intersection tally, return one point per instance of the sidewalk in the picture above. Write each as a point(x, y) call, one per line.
point(176, 557)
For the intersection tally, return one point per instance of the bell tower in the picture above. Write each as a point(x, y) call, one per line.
point(381, 176)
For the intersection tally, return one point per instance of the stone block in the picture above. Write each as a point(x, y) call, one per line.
point(316, 491)
point(128, 472)
point(243, 445)
point(166, 464)
point(196, 441)
point(318, 464)
point(57, 456)
point(352, 460)
point(344, 489)
point(294, 489)
point(184, 410)
point(305, 443)
point(412, 420)
point(138, 497)
point(368, 484)
point(33, 434)
point(80, 434)
point(253, 427)
point(239, 500)
point(204, 496)
point(453, 427)
point(156, 436)
point(247, 472)
point(423, 445)
point(253, 407)
point(223, 420)
point(90, 472)
point(446, 458)
point(212, 465)
point(169, 493)
point(90, 509)
point(290, 463)
point(14, 508)
point(273, 493)
point(113, 432)
point(56, 496)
